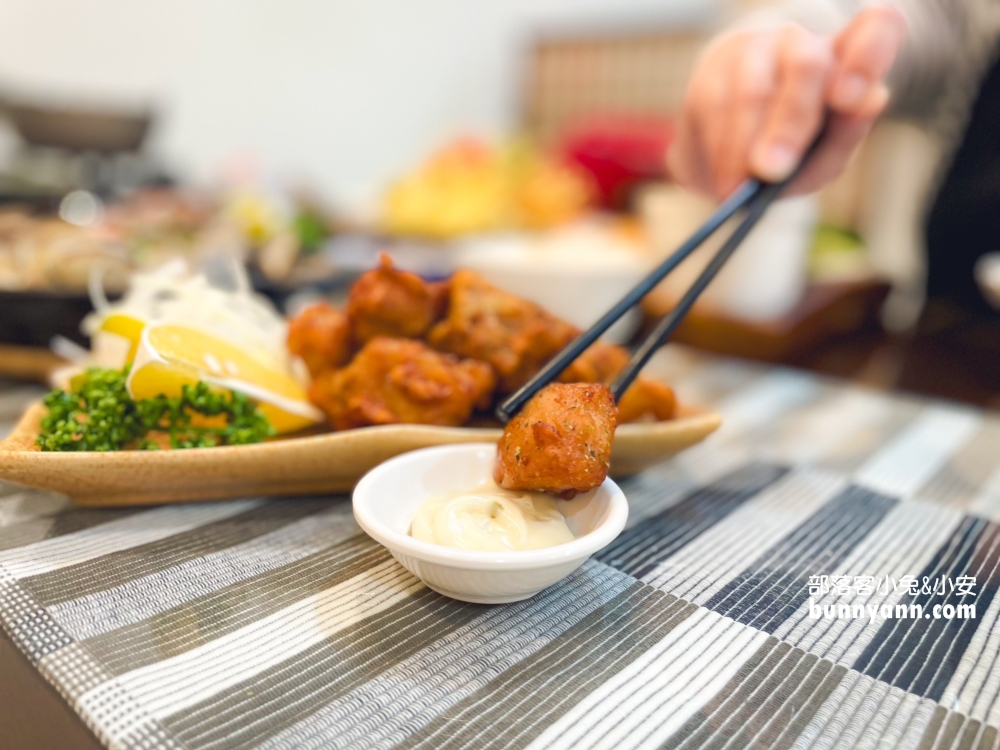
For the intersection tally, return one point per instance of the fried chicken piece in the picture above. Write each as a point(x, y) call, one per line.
point(647, 399)
point(321, 336)
point(644, 399)
point(514, 336)
point(398, 304)
point(560, 442)
point(400, 381)
point(600, 363)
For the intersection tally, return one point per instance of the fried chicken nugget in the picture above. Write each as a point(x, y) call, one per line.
point(514, 336)
point(321, 336)
point(644, 399)
point(398, 304)
point(599, 363)
point(400, 381)
point(560, 442)
point(647, 399)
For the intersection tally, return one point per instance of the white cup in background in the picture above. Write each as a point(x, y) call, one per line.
point(767, 275)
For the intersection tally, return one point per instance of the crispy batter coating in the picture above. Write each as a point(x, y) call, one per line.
point(321, 336)
point(394, 381)
point(560, 442)
point(514, 336)
point(399, 304)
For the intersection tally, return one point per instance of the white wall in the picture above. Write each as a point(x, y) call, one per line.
point(348, 92)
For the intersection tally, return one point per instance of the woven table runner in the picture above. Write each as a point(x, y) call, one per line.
point(819, 573)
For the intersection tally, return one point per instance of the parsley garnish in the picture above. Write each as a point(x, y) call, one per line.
point(97, 414)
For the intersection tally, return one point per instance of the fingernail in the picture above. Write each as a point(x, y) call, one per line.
point(879, 98)
point(778, 162)
point(850, 90)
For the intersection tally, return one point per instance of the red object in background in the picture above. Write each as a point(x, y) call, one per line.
point(620, 151)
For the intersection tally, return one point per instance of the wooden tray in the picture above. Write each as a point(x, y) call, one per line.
point(318, 464)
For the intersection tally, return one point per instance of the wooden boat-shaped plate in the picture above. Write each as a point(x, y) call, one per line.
point(311, 465)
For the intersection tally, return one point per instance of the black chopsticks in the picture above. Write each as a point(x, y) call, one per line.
point(669, 322)
point(753, 195)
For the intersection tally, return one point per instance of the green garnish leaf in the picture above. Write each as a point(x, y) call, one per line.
point(97, 414)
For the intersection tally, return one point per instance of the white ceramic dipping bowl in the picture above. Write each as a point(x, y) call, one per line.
point(387, 498)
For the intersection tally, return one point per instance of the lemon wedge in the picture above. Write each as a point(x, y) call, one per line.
point(170, 356)
point(117, 340)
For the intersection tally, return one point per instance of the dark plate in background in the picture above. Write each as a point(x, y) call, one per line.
point(32, 318)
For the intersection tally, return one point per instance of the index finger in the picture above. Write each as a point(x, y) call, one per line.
point(797, 110)
point(865, 50)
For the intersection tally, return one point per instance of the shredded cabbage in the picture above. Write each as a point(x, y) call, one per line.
point(227, 307)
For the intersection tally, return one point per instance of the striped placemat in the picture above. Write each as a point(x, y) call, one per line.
point(278, 624)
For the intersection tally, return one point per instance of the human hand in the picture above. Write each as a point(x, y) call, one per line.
point(757, 99)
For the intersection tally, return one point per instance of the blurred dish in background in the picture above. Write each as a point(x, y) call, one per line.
point(619, 151)
point(471, 187)
point(62, 252)
point(838, 255)
point(271, 233)
point(49, 254)
point(49, 260)
point(149, 227)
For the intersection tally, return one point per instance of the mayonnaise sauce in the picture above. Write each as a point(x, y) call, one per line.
point(491, 519)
